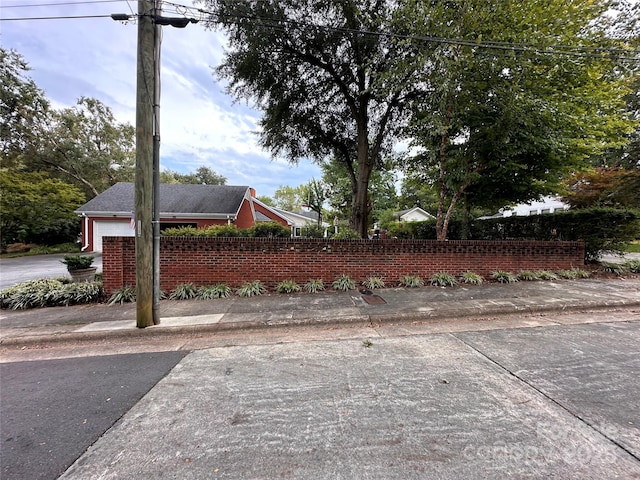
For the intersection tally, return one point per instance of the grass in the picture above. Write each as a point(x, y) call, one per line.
point(344, 283)
point(50, 293)
point(288, 286)
point(471, 278)
point(373, 282)
point(251, 289)
point(442, 279)
point(314, 286)
point(41, 250)
point(504, 277)
point(632, 247)
point(411, 281)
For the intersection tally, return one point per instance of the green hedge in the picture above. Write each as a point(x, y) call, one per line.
point(262, 229)
point(602, 229)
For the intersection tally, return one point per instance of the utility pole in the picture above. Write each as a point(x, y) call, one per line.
point(145, 96)
point(147, 178)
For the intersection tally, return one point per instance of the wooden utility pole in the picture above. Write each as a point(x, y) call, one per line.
point(145, 88)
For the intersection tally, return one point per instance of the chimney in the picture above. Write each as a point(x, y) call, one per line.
point(253, 192)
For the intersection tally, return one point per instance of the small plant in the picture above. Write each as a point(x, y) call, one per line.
point(367, 343)
point(373, 282)
point(632, 266)
point(287, 286)
point(442, 279)
point(344, 283)
point(504, 277)
point(581, 273)
point(567, 274)
point(251, 289)
point(77, 262)
point(471, 278)
point(615, 268)
point(314, 286)
point(411, 281)
point(209, 292)
point(122, 295)
point(528, 276)
point(184, 291)
point(346, 233)
point(49, 293)
point(546, 275)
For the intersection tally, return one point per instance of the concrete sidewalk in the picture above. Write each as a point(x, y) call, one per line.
point(385, 306)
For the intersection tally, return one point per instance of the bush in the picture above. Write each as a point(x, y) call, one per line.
point(312, 231)
point(471, 278)
point(344, 283)
point(504, 277)
point(288, 286)
point(373, 282)
point(442, 279)
point(209, 292)
point(345, 233)
point(528, 275)
point(269, 229)
point(313, 286)
point(122, 295)
point(184, 291)
point(50, 293)
point(251, 289)
point(546, 275)
point(77, 262)
point(411, 281)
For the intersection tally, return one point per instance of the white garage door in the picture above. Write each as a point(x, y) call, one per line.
point(109, 229)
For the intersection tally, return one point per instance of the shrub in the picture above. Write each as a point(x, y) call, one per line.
point(615, 268)
point(251, 289)
point(442, 279)
point(546, 275)
point(471, 278)
point(209, 292)
point(49, 293)
point(77, 262)
point(528, 275)
point(411, 281)
point(373, 282)
point(182, 232)
point(346, 233)
point(344, 283)
point(312, 231)
point(568, 274)
point(313, 286)
point(504, 277)
point(632, 265)
point(288, 286)
point(122, 295)
point(184, 291)
point(269, 229)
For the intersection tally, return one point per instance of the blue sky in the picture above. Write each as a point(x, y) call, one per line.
point(96, 57)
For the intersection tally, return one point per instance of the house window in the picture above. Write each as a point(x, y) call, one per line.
point(297, 232)
point(546, 210)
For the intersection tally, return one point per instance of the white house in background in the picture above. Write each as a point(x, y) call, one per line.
point(415, 214)
point(537, 207)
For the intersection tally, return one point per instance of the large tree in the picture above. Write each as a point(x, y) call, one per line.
point(507, 119)
point(328, 78)
point(23, 109)
point(202, 176)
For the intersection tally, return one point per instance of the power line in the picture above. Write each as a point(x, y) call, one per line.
point(71, 17)
point(86, 2)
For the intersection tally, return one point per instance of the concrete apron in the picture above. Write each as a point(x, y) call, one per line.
point(552, 402)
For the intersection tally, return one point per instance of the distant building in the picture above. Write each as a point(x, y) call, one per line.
point(537, 207)
point(415, 214)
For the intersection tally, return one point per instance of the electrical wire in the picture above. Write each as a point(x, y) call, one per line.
point(87, 2)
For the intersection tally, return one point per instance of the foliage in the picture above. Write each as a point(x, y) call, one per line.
point(345, 233)
point(251, 289)
point(184, 291)
point(546, 275)
point(604, 187)
point(77, 262)
point(315, 194)
point(632, 266)
point(442, 279)
point(288, 286)
point(209, 292)
point(269, 229)
point(50, 293)
point(35, 207)
point(373, 282)
point(367, 343)
point(324, 91)
point(616, 268)
point(411, 281)
point(122, 295)
point(343, 283)
point(528, 275)
point(202, 176)
point(314, 286)
point(490, 118)
point(504, 277)
point(312, 231)
point(471, 278)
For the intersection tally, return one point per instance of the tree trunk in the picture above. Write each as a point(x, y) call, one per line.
point(360, 211)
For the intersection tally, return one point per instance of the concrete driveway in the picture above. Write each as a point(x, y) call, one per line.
point(22, 269)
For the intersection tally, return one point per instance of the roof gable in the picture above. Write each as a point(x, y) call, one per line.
point(174, 199)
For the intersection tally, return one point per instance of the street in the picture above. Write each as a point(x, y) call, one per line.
point(391, 402)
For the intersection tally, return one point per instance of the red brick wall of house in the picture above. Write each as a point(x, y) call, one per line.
point(270, 214)
point(205, 261)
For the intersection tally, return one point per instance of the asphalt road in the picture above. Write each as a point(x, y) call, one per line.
point(22, 269)
point(52, 411)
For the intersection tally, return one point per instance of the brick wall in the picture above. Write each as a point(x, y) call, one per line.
point(233, 261)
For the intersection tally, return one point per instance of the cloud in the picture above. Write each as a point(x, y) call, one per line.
point(199, 123)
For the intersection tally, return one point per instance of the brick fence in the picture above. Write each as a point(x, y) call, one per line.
point(206, 261)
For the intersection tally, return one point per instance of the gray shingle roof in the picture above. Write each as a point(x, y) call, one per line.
point(174, 198)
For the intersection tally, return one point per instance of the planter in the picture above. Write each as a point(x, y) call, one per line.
point(83, 274)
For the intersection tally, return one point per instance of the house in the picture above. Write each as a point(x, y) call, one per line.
point(111, 212)
point(415, 214)
point(296, 220)
point(537, 207)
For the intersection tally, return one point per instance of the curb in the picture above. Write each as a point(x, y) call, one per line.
point(365, 320)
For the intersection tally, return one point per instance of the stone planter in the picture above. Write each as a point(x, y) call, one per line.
point(83, 274)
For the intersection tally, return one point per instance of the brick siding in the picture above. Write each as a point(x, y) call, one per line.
point(206, 261)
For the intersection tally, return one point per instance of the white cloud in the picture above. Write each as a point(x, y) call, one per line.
point(200, 124)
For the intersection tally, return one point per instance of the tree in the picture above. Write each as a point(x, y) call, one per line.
point(289, 198)
point(505, 124)
point(604, 187)
point(315, 193)
point(328, 79)
point(87, 146)
point(202, 176)
point(23, 109)
point(36, 207)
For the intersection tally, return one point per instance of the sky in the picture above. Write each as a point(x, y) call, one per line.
point(200, 125)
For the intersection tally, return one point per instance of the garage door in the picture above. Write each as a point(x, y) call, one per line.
point(109, 229)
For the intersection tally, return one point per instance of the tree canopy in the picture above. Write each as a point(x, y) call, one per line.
point(202, 176)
